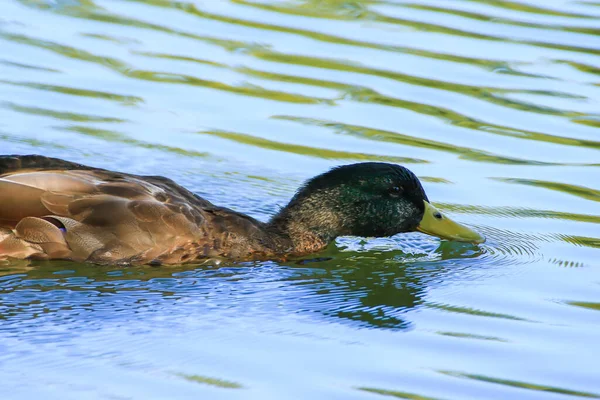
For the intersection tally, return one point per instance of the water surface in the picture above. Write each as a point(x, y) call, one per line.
point(493, 104)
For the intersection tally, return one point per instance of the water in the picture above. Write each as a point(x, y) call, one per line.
point(495, 106)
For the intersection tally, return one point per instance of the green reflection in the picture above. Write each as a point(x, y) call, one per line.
point(127, 100)
point(41, 144)
point(434, 179)
point(519, 212)
point(473, 311)
point(521, 385)
point(471, 336)
point(62, 115)
point(594, 122)
point(574, 190)
point(356, 93)
point(109, 38)
point(27, 66)
point(397, 394)
point(529, 8)
point(222, 383)
point(112, 136)
point(581, 240)
point(589, 306)
point(349, 10)
point(306, 150)
point(488, 94)
point(478, 16)
point(395, 137)
point(567, 263)
point(180, 58)
point(375, 288)
point(588, 69)
point(367, 95)
point(492, 95)
point(331, 11)
point(162, 77)
point(458, 119)
point(245, 89)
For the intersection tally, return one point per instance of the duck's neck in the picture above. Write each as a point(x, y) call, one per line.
point(308, 225)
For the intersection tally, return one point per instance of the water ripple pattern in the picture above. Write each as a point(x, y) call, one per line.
point(495, 105)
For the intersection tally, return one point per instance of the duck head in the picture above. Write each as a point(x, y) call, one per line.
point(366, 199)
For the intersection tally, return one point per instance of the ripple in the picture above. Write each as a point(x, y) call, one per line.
point(473, 311)
point(124, 99)
point(522, 385)
point(589, 306)
point(396, 137)
point(575, 190)
point(26, 66)
point(470, 336)
point(221, 383)
point(520, 212)
point(113, 136)
point(512, 247)
point(307, 150)
point(397, 394)
point(67, 116)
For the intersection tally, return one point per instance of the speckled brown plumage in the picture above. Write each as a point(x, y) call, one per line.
point(55, 209)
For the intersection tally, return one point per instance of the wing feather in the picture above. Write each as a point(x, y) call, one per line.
point(76, 212)
point(18, 201)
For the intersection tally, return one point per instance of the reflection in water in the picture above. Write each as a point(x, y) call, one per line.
point(377, 288)
point(395, 137)
point(368, 288)
point(584, 192)
point(397, 394)
point(211, 381)
point(524, 385)
point(312, 151)
point(125, 100)
point(63, 115)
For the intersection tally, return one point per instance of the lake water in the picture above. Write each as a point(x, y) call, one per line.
point(495, 105)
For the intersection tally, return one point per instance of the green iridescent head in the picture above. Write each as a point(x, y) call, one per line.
point(370, 200)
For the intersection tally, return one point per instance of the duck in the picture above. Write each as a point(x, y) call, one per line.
point(53, 209)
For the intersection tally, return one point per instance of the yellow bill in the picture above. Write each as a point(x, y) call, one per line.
point(437, 224)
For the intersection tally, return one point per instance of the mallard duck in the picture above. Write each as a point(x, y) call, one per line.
point(56, 209)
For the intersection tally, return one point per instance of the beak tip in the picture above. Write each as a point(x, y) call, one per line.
point(472, 237)
point(480, 240)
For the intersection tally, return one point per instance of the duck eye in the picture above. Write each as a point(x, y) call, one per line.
point(437, 215)
point(395, 190)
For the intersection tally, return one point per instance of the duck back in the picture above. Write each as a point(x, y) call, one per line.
point(55, 209)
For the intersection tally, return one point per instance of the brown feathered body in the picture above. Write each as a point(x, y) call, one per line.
point(55, 209)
